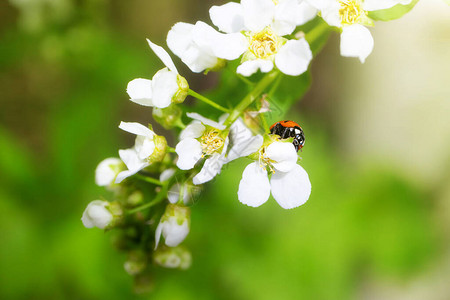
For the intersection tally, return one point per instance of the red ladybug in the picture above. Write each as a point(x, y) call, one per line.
point(289, 129)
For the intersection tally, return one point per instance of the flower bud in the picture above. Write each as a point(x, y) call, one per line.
point(107, 170)
point(135, 198)
point(174, 225)
point(97, 214)
point(160, 149)
point(168, 117)
point(174, 258)
point(183, 88)
point(136, 263)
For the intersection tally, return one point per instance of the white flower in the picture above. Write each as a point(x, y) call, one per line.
point(192, 43)
point(289, 184)
point(174, 225)
point(107, 171)
point(166, 85)
point(148, 147)
point(262, 25)
point(97, 214)
point(204, 137)
point(351, 16)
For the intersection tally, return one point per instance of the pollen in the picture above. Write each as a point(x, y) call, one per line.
point(351, 12)
point(264, 43)
point(264, 160)
point(211, 142)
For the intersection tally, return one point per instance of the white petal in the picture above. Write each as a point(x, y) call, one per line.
point(227, 46)
point(283, 154)
point(144, 147)
point(158, 232)
point(163, 56)
point(370, 5)
point(356, 41)
point(305, 13)
point(294, 57)
point(164, 86)
point(254, 188)
point(133, 163)
point(180, 41)
point(205, 121)
point(251, 66)
point(173, 195)
point(258, 14)
point(213, 165)
point(106, 171)
point(194, 130)
point(136, 128)
point(330, 13)
point(291, 189)
point(97, 215)
point(140, 91)
point(166, 174)
point(173, 233)
point(243, 141)
point(285, 19)
point(228, 18)
point(189, 152)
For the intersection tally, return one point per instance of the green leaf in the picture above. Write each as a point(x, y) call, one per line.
point(394, 12)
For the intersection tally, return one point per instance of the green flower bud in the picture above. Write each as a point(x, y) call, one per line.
point(183, 88)
point(135, 198)
point(160, 149)
point(168, 117)
point(173, 258)
point(136, 263)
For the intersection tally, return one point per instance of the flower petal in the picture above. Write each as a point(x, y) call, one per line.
point(305, 13)
point(213, 165)
point(257, 14)
point(97, 215)
point(205, 121)
point(173, 233)
point(136, 128)
point(180, 41)
point(106, 171)
point(291, 189)
point(251, 66)
point(158, 232)
point(243, 141)
point(294, 57)
point(144, 147)
point(164, 86)
point(330, 13)
point(194, 130)
point(356, 41)
point(371, 5)
point(133, 163)
point(228, 18)
point(140, 91)
point(283, 154)
point(254, 188)
point(189, 152)
point(285, 18)
point(163, 56)
point(166, 174)
point(227, 46)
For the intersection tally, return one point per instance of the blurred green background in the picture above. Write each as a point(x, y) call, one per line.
point(378, 143)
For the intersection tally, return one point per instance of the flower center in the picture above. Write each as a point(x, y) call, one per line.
point(264, 160)
point(211, 141)
point(351, 12)
point(264, 44)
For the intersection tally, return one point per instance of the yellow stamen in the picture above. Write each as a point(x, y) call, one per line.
point(264, 44)
point(211, 142)
point(264, 160)
point(351, 12)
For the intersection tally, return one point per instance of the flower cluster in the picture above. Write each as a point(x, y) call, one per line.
point(154, 184)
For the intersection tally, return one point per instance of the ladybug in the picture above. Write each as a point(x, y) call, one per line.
point(289, 129)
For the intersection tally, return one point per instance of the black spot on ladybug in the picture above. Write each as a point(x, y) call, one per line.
point(289, 129)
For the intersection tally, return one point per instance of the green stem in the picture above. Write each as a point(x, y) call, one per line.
point(147, 179)
point(159, 197)
point(207, 101)
point(313, 35)
point(251, 97)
